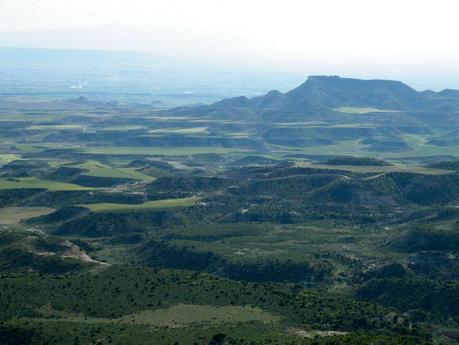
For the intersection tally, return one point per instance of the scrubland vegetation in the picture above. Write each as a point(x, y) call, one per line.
point(327, 215)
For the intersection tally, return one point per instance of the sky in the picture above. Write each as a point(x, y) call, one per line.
point(390, 36)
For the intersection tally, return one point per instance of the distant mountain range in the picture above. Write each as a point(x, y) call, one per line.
point(336, 99)
point(373, 115)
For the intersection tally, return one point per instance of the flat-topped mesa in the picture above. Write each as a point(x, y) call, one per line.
point(342, 81)
point(334, 91)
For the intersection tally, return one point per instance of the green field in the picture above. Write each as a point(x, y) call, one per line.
point(345, 147)
point(180, 315)
point(51, 127)
point(31, 148)
point(375, 169)
point(165, 151)
point(362, 110)
point(121, 128)
point(33, 182)
point(192, 130)
point(98, 169)
point(6, 158)
point(166, 203)
point(13, 215)
point(418, 145)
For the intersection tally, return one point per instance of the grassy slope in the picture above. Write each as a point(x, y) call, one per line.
point(33, 182)
point(6, 158)
point(98, 169)
point(166, 203)
point(13, 215)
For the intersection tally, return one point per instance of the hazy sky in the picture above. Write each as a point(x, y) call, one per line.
point(397, 34)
